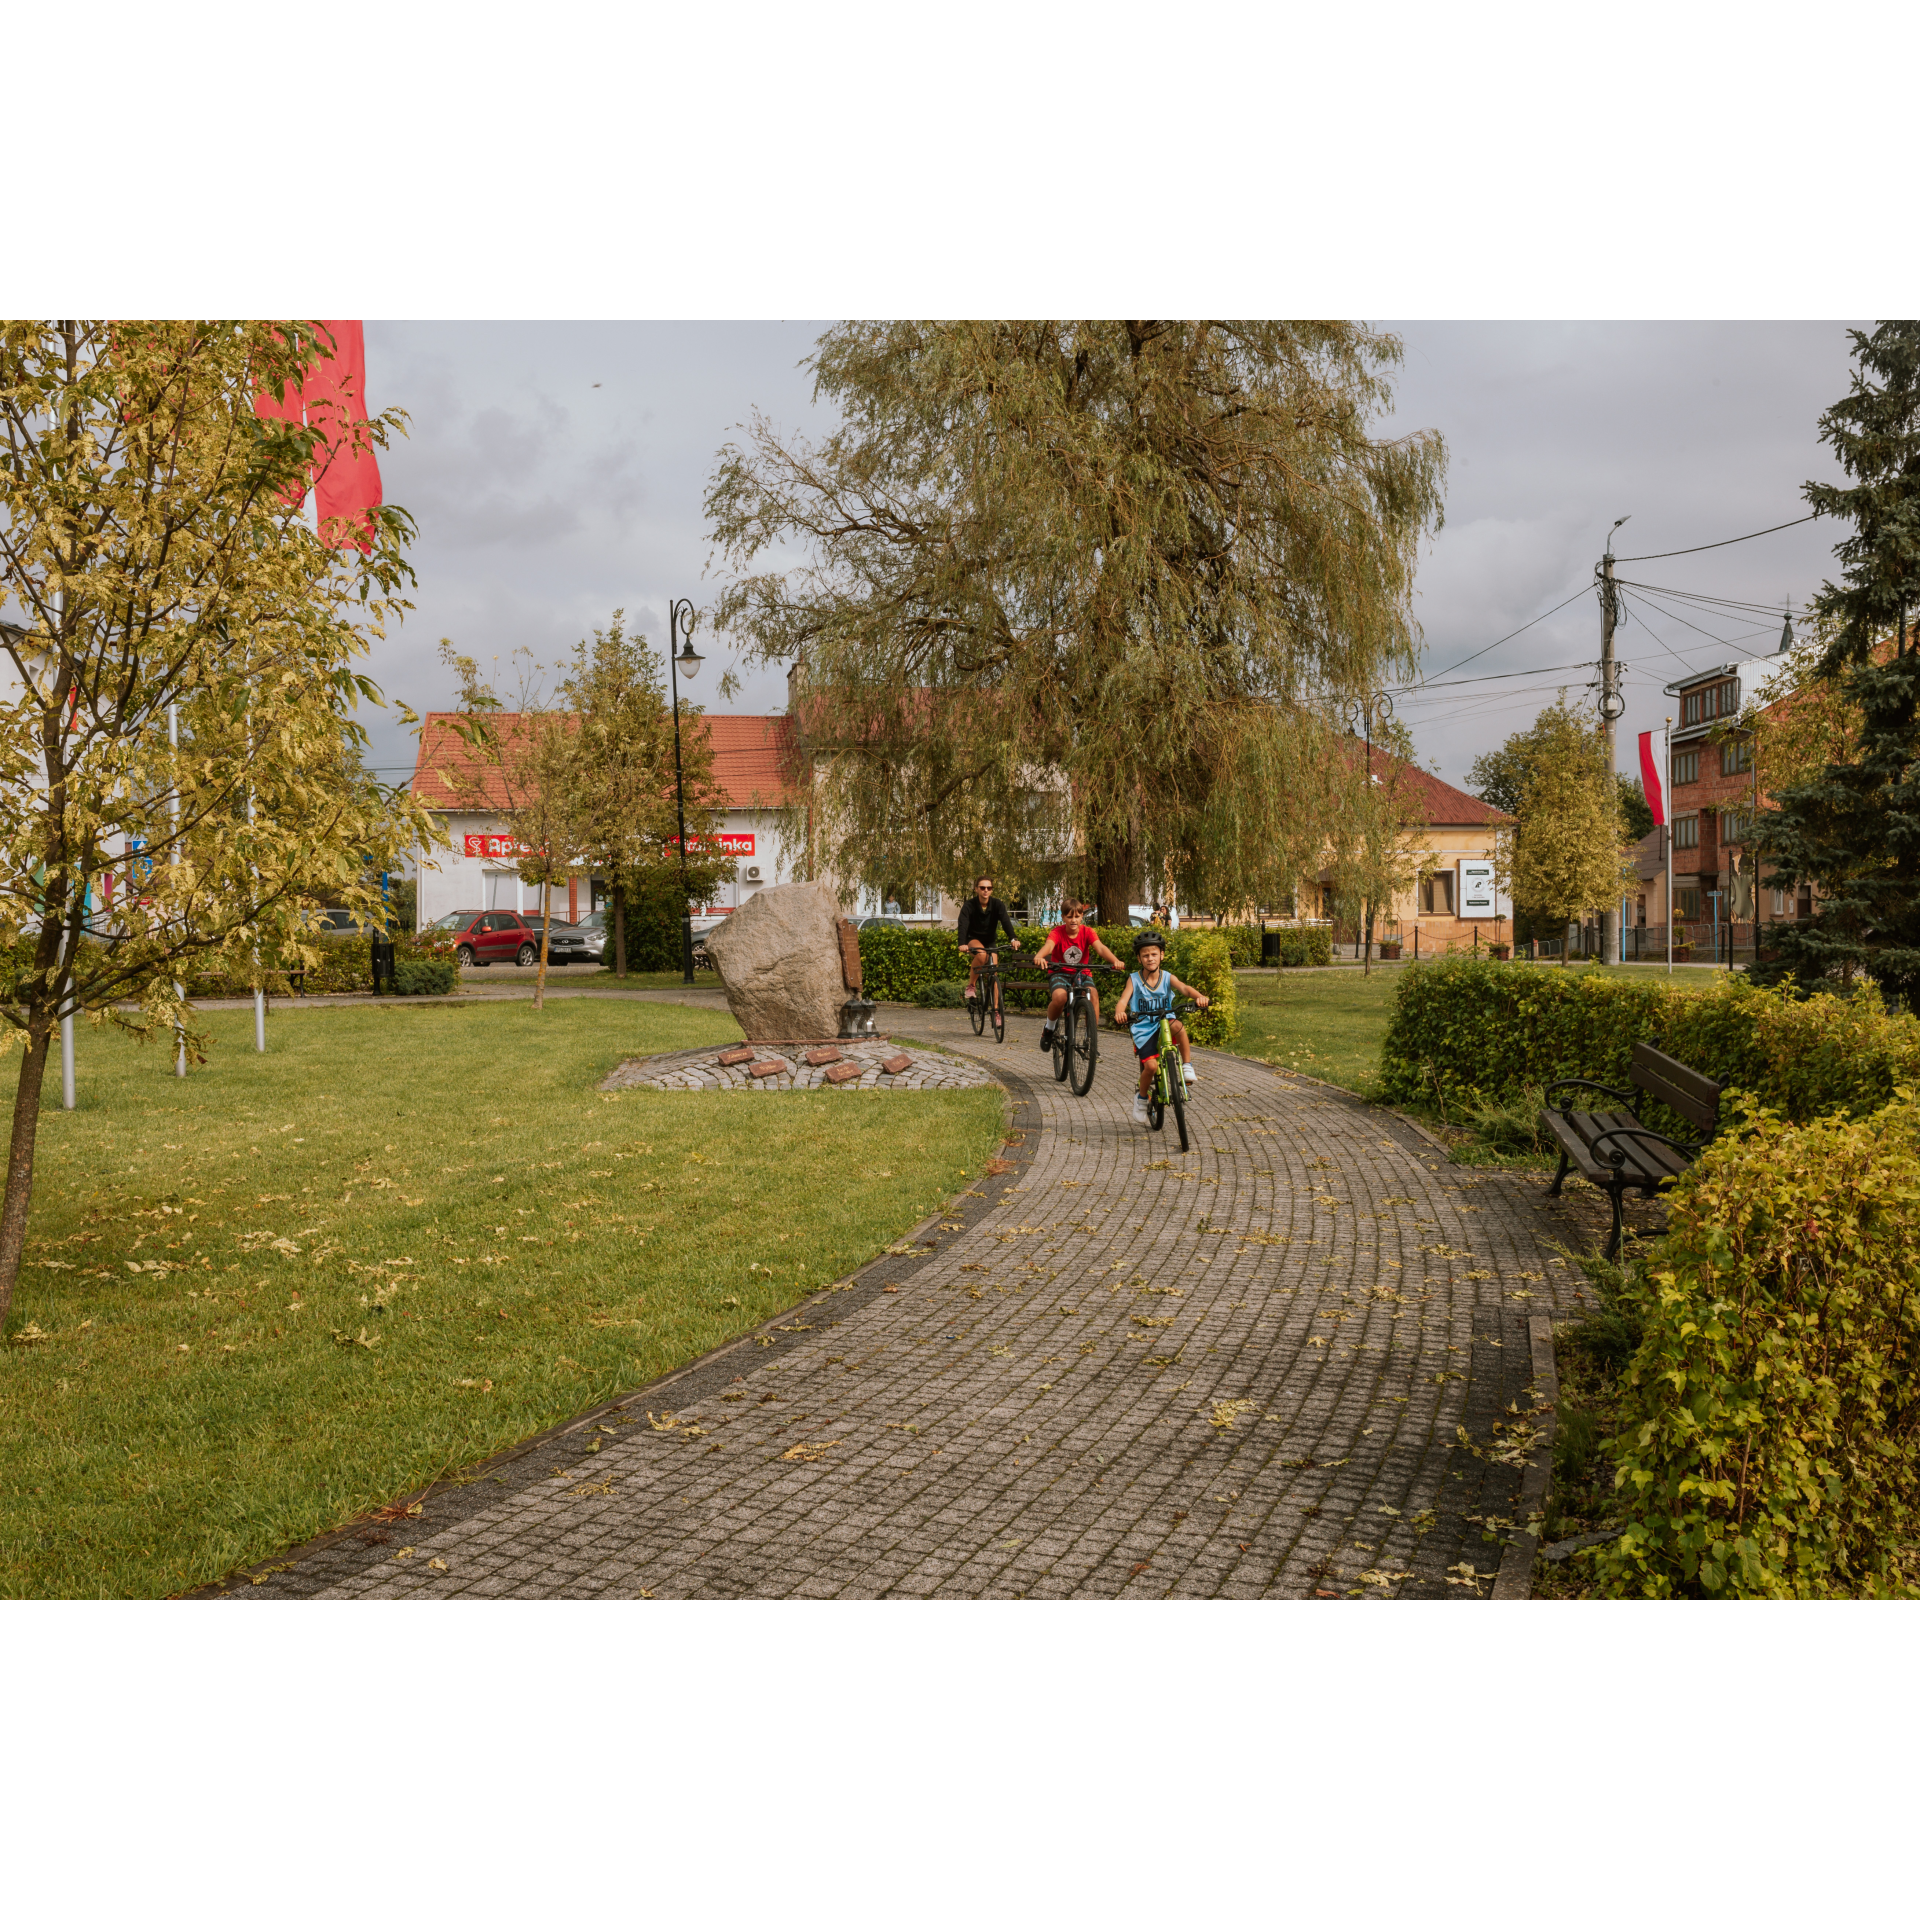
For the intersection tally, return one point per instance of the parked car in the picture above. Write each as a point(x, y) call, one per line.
point(882, 920)
point(337, 925)
point(578, 942)
point(482, 938)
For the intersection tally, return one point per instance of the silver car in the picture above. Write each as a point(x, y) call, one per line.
point(580, 942)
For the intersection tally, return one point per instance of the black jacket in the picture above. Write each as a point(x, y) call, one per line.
point(982, 923)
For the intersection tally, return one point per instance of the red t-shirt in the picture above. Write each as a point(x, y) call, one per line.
point(1073, 949)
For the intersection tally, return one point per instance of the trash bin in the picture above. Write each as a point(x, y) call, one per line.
point(383, 980)
point(1269, 946)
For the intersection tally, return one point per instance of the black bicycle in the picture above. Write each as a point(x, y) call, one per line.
point(1076, 1043)
point(988, 1003)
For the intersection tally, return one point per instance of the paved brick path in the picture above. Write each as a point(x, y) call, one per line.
point(1293, 1361)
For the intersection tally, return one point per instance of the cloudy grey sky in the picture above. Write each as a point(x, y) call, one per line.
point(557, 471)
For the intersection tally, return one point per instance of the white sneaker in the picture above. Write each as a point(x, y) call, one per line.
point(1186, 1073)
point(1140, 1115)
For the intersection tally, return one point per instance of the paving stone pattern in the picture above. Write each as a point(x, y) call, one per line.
point(1290, 1363)
point(773, 1069)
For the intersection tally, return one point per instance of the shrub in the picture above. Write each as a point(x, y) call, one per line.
point(940, 993)
point(896, 962)
point(1464, 1029)
point(1204, 961)
point(1772, 1444)
point(1243, 943)
point(1306, 947)
point(424, 976)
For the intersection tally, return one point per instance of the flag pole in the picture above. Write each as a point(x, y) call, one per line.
point(1667, 830)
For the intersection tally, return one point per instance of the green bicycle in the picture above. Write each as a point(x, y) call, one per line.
point(1169, 1087)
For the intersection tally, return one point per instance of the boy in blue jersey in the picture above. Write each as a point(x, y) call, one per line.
point(1149, 995)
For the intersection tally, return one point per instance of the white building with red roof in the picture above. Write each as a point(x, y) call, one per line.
point(477, 870)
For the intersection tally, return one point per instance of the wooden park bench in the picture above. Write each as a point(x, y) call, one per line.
point(1612, 1149)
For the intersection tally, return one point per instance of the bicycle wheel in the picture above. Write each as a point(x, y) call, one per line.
point(1157, 1103)
point(977, 1006)
point(1084, 1050)
point(1177, 1084)
point(1063, 1040)
point(999, 1012)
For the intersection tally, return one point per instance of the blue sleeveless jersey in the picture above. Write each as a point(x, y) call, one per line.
point(1149, 1005)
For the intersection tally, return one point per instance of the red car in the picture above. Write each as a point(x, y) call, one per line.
point(482, 938)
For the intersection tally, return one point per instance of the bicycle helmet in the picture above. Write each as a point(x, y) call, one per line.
point(1150, 938)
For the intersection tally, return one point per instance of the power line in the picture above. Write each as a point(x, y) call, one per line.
point(1418, 687)
point(1629, 559)
point(1708, 599)
point(1578, 594)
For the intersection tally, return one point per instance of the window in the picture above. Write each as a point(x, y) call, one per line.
point(1709, 702)
point(1686, 903)
point(1686, 768)
point(1733, 827)
point(1686, 833)
point(1780, 897)
point(1736, 756)
point(1436, 893)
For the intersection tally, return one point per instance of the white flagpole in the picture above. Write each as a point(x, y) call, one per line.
point(173, 808)
point(1667, 809)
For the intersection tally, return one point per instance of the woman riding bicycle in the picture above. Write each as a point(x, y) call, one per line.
point(1149, 998)
point(982, 920)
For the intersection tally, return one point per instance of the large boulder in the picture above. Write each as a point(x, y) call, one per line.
point(780, 959)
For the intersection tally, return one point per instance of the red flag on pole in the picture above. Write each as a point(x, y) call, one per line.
point(332, 397)
point(1650, 781)
point(346, 482)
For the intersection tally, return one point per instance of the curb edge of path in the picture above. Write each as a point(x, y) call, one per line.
point(833, 1303)
point(1514, 1580)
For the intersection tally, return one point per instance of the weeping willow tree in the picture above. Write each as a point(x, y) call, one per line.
point(1084, 598)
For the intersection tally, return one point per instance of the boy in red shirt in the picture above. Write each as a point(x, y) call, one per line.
point(1073, 946)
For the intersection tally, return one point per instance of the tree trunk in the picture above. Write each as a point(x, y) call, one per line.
point(26, 1126)
point(1115, 866)
point(620, 933)
point(546, 926)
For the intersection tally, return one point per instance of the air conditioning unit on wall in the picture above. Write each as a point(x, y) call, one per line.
point(753, 873)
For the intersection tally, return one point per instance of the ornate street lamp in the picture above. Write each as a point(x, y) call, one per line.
point(680, 618)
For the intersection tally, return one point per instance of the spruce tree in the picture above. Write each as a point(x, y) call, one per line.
point(1852, 830)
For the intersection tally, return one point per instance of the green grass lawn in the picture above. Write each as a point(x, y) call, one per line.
point(290, 1288)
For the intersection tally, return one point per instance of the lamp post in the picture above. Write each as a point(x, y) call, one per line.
point(680, 618)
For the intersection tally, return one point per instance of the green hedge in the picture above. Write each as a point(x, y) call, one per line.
point(897, 962)
point(1772, 1444)
point(1465, 1028)
point(1306, 946)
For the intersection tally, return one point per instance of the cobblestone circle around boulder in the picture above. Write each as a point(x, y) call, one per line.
point(701, 1072)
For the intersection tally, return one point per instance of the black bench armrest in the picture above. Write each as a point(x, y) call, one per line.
point(1613, 1093)
point(1618, 1160)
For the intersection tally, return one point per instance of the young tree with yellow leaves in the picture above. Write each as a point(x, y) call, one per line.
point(1566, 853)
point(179, 765)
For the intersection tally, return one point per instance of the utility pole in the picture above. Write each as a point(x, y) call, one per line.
point(1611, 708)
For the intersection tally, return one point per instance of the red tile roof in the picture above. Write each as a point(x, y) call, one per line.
point(747, 753)
point(1432, 799)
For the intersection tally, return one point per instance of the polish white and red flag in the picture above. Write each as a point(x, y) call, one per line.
point(1650, 781)
point(332, 397)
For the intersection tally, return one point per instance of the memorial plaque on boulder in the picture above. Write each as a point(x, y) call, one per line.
point(779, 958)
